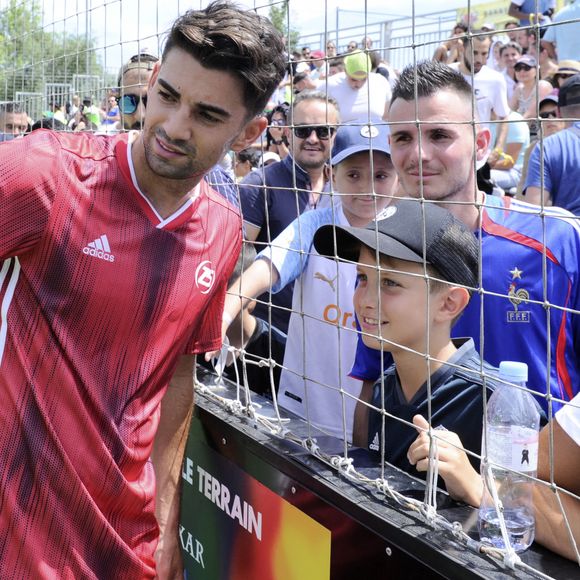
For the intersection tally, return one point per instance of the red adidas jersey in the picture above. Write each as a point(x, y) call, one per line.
point(98, 299)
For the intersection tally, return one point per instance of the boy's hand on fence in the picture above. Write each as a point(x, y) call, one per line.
point(462, 481)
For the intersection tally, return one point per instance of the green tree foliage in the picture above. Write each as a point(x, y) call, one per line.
point(279, 18)
point(31, 56)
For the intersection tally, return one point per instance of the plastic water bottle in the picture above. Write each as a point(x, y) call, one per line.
point(512, 450)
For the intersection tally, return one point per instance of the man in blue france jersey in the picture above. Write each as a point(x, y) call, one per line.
point(530, 280)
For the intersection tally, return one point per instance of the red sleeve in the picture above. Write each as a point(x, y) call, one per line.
point(28, 184)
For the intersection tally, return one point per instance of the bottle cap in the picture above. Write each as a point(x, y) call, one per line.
point(513, 372)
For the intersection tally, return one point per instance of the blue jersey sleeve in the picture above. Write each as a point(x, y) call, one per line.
point(289, 252)
point(533, 179)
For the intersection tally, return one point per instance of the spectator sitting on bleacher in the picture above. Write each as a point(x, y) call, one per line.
point(506, 165)
point(451, 49)
point(563, 38)
point(554, 171)
point(359, 92)
point(322, 336)
point(529, 89)
point(509, 54)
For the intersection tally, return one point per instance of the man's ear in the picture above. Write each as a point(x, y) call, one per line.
point(154, 74)
point(450, 303)
point(482, 142)
point(251, 131)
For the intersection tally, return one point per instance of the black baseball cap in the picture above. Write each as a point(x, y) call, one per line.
point(570, 92)
point(448, 246)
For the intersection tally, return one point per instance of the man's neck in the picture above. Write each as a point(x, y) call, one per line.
point(165, 195)
point(316, 176)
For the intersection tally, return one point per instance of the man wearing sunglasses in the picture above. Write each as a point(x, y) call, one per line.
point(132, 81)
point(274, 198)
point(554, 180)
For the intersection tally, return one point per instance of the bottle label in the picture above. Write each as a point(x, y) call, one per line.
point(513, 447)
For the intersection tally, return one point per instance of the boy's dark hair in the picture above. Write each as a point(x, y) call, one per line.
point(429, 77)
point(226, 37)
point(249, 154)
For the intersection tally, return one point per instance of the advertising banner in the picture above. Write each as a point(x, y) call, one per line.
point(234, 527)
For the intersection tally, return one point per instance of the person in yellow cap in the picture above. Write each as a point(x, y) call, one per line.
point(360, 93)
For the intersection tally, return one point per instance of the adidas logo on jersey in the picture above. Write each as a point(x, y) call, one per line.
point(374, 446)
point(99, 249)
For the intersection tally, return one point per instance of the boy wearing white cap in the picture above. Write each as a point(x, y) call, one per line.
point(321, 341)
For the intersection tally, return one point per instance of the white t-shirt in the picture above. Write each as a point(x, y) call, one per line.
point(569, 418)
point(490, 92)
point(322, 343)
point(368, 102)
point(510, 84)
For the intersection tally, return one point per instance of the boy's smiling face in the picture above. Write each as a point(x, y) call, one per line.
point(365, 188)
point(391, 302)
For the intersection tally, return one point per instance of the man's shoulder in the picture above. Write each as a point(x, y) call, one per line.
point(488, 74)
point(557, 226)
point(273, 175)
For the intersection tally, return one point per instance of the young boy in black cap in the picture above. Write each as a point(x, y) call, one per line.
point(410, 289)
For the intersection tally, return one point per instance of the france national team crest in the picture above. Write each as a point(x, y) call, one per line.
point(518, 296)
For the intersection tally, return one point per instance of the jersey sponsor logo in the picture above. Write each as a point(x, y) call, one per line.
point(329, 281)
point(204, 277)
point(333, 314)
point(386, 213)
point(517, 296)
point(99, 248)
point(374, 446)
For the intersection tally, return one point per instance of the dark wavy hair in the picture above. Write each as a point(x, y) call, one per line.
point(226, 37)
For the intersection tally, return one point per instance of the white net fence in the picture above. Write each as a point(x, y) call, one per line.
point(61, 60)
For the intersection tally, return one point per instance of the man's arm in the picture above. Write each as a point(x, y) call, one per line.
point(515, 12)
point(167, 456)
point(536, 196)
point(551, 530)
point(252, 232)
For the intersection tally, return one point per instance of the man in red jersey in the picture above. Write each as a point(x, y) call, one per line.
point(115, 254)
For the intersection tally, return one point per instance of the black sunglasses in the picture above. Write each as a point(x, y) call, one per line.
point(520, 67)
point(129, 103)
point(322, 132)
point(549, 115)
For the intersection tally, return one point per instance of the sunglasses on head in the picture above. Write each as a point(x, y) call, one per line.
point(129, 103)
point(549, 115)
point(520, 67)
point(304, 131)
